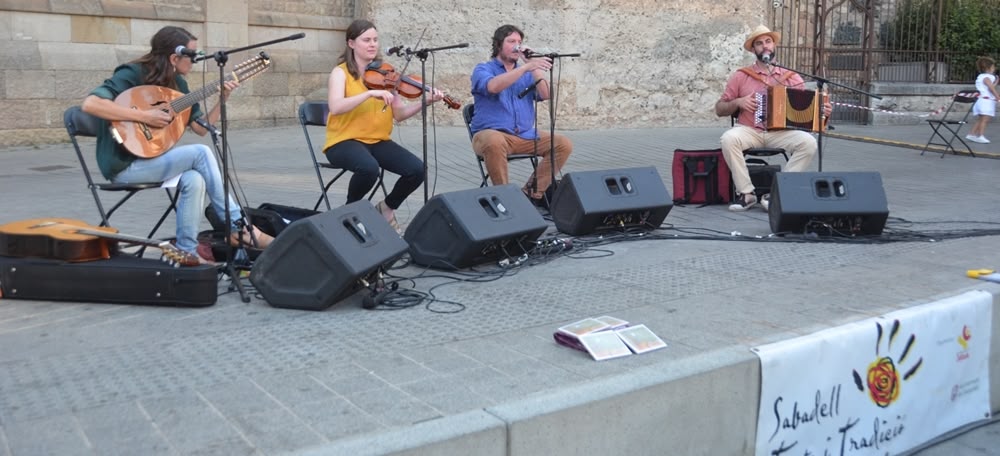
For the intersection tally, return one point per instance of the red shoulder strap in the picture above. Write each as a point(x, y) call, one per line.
point(753, 74)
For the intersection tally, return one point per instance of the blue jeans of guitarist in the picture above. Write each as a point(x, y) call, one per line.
point(199, 171)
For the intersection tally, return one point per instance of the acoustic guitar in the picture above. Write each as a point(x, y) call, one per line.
point(148, 142)
point(76, 241)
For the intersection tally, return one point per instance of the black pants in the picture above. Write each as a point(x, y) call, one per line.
point(365, 160)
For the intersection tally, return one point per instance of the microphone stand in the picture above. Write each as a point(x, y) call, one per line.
point(819, 87)
point(552, 123)
point(533, 186)
point(221, 58)
point(422, 55)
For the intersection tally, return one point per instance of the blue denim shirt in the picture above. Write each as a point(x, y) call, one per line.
point(502, 111)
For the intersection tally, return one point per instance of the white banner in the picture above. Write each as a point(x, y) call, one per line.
point(880, 386)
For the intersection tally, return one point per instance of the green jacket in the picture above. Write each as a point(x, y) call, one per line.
point(112, 158)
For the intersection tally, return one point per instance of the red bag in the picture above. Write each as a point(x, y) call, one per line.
point(701, 177)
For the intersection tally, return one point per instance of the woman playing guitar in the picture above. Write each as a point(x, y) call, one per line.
point(164, 66)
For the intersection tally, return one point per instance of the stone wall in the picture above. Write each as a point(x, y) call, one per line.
point(57, 51)
point(913, 100)
point(645, 63)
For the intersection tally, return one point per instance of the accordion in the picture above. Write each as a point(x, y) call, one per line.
point(783, 108)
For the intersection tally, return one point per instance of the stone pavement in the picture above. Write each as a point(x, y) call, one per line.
point(465, 374)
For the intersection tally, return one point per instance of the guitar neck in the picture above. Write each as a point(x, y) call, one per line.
point(188, 100)
point(121, 237)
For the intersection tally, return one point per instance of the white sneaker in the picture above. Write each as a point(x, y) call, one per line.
point(977, 139)
point(983, 139)
point(972, 138)
point(743, 202)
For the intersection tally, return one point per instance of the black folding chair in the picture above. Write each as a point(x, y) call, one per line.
point(946, 128)
point(467, 112)
point(79, 123)
point(315, 113)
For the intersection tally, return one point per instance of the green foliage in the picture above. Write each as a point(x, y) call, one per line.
point(910, 28)
point(968, 29)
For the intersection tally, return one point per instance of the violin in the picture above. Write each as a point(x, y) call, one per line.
point(382, 76)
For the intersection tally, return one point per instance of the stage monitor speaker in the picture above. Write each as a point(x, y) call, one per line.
point(456, 230)
point(846, 204)
point(614, 199)
point(320, 260)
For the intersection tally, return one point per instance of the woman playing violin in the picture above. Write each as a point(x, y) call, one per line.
point(359, 127)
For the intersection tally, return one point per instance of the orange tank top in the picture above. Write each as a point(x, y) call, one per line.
point(366, 122)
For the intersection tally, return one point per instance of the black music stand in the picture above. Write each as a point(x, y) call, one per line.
point(819, 87)
point(221, 58)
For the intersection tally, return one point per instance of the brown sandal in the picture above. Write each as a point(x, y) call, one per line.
point(381, 207)
point(262, 239)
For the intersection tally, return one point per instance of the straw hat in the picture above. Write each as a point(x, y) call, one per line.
point(757, 33)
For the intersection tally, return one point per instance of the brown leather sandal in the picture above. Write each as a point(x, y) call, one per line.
point(381, 207)
point(262, 239)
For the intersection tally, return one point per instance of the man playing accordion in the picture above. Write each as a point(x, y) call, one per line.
point(745, 90)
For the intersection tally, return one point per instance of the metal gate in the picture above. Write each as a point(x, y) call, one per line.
point(858, 42)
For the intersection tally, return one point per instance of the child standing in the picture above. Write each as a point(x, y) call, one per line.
point(986, 106)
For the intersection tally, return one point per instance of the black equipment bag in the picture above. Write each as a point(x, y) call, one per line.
point(273, 218)
point(761, 175)
point(700, 177)
point(121, 279)
point(270, 218)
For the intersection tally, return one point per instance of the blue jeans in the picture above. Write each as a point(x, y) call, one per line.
point(363, 161)
point(199, 173)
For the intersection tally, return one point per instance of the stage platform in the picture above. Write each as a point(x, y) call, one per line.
point(476, 371)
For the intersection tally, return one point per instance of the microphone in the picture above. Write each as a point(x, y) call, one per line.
point(527, 52)
point(532, 53)
point(766, 58)
point(529, 88)
point(395, 50)
point(185, 52)
point(204, 124)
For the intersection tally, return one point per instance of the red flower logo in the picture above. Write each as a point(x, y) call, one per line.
point(883, 382)
point(883, 379)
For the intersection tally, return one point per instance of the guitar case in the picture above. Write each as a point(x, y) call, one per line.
point(121, 279)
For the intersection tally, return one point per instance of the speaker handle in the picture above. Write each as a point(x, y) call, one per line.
point(357, 228)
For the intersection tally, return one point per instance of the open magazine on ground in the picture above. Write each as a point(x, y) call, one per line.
point(608, 337)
